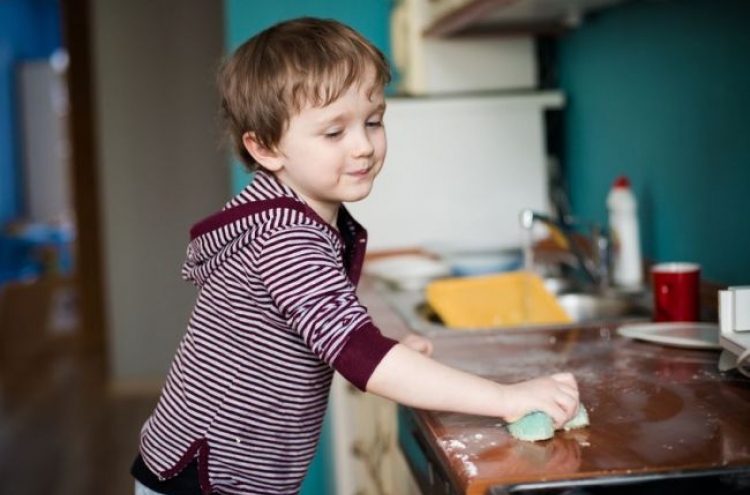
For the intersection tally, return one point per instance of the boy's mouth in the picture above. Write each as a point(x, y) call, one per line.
point(361, 172)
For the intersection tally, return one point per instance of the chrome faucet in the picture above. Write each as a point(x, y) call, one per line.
point(594, 261)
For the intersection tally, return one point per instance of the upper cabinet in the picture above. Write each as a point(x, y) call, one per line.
point(460, 18)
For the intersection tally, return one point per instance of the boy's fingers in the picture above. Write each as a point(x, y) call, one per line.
point(571, 391)
point(565, 378)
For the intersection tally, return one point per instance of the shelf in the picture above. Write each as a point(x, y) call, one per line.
point(546, 99)
point(454, 18)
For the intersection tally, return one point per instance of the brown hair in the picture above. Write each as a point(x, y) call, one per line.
point(273, 75)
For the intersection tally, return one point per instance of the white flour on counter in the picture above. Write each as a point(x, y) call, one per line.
point(454, 449)
point(465, 448)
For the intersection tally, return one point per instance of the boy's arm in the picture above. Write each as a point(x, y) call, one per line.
point(418, 343)
point(412, 379)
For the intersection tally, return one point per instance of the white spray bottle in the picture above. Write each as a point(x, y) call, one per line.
point(623, 224)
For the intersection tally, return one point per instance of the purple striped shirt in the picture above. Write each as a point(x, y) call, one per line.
point(276, 313)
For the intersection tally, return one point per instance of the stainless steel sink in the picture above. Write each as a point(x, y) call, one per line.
point(583, 309)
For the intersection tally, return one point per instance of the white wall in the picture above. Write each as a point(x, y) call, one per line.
point(161, 166)
point(43, 107)
point(458, 171)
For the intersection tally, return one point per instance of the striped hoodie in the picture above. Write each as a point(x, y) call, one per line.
point(276, 313)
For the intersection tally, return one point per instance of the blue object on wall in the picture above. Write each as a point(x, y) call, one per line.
point(658, 91)
point(35, 249)
point(29, 29)
point(244, 19)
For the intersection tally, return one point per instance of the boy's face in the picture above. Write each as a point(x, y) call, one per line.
point(332, 154)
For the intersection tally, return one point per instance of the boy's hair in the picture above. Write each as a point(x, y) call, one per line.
point(272, 76)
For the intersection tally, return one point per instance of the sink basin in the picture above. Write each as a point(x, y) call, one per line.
point(583, 309)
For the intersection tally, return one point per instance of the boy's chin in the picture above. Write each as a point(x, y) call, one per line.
point(357, 194)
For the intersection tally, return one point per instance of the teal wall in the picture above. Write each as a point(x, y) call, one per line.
point(660, 91)
point(243, 19)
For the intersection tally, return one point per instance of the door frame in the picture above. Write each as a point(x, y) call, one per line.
point(77, 36)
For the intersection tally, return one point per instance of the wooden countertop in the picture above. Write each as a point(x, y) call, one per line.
point(653, 409)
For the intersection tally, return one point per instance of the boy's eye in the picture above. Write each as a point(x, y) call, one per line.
point(333, 134)
point(375, 123)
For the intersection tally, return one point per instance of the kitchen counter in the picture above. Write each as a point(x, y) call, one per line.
point(656, 412)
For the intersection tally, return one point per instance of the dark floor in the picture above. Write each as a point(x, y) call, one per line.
point(62, 432)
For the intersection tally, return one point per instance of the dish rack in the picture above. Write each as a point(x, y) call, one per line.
point(734, 322)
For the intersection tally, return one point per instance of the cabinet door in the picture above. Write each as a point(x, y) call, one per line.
point(368, 461)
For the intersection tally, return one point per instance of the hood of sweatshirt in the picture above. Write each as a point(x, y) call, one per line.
point(218, 237)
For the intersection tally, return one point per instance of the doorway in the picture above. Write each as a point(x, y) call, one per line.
point(52, 297)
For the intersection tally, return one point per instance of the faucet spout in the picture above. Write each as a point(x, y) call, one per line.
point(591, 253)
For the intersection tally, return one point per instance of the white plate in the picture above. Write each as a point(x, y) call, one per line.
point(694, 335)
point(483, 263)
point(407, 271)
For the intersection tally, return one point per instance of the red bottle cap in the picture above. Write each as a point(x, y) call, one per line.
point(622, 182)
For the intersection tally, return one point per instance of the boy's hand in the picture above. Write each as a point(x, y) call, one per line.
point(418, 343)
point(557, 395)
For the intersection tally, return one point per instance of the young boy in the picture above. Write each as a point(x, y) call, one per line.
point(277, 268)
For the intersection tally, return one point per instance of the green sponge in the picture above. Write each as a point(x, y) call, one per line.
point(532, 427)
point(579, 419)
point(539, 426)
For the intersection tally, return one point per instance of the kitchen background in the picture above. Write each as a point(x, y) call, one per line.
point(656, 90)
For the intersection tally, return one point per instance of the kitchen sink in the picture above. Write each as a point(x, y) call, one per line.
point(583, 309)
point(587, 308)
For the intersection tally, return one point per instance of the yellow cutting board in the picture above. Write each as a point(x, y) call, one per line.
point(494, 301)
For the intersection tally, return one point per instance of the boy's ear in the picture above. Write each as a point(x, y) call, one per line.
point(269, 159)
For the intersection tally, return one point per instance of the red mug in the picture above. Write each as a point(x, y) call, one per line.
point(676, 291)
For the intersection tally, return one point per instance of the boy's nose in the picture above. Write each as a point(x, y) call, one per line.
point(363, 144)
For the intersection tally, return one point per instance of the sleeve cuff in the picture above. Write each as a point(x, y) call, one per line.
point(361, 354)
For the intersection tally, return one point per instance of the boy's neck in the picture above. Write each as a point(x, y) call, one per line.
point(330, 217)
point(328, 212)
